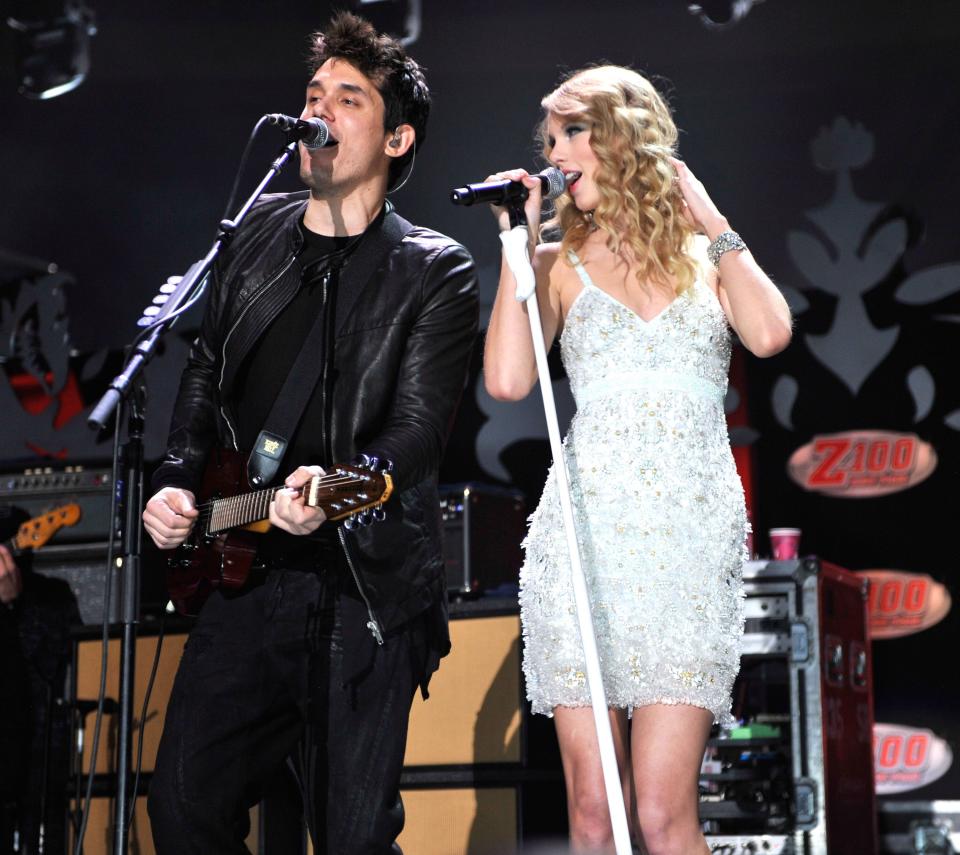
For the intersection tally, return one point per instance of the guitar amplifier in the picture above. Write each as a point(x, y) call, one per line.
point(73, 560)
point(30, 492)
point(483, 527)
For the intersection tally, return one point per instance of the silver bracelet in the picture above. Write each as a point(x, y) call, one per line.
point(723, 242)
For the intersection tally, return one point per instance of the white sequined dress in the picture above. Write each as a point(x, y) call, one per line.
point(659, 509)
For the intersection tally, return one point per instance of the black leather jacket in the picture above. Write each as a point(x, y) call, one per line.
point(400, 358)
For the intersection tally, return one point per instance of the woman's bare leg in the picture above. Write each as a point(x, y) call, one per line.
point(667, 745)
point(590, 827)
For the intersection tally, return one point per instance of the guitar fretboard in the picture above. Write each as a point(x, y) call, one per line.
point(336, 493)
point(239, 510)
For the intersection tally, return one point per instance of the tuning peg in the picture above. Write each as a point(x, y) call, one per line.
point(373, 463)
point(161, 298)
point(150, 311)
point(349, 524)
point(379, 514)
point(364, 518)
point(170, 285)
point(364, 461)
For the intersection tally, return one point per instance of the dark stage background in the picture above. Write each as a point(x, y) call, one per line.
point(827, 132)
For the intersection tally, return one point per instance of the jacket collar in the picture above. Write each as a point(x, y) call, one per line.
point(295, 221)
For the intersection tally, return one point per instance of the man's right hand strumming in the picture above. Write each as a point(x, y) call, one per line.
point(169, 516)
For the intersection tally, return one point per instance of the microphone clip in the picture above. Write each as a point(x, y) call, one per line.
point(518, 216)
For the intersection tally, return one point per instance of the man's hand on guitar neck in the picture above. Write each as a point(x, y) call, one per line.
point(288, 509)
point(169, 516)
point(10, 581)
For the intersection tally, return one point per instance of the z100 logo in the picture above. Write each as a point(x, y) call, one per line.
point(862, 463)
point(905, 758)
point(904, 603)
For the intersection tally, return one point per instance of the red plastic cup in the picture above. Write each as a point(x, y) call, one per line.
point(785, 543)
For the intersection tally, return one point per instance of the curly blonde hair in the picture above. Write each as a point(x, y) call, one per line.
point(641, 207)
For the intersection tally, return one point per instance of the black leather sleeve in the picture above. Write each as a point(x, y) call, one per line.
point(433, 370)
point(193, 426)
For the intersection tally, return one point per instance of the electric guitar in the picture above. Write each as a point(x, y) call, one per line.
point(35, 532)
point(222, 546)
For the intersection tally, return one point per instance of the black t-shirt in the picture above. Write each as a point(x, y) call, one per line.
point(266, 367)
point(264, 371)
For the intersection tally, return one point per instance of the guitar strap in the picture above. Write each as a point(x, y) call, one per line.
point(385, 233)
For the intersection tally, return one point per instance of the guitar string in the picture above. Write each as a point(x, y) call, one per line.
point(236, 508)
point(333, 481)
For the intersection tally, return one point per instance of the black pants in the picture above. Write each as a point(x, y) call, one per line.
point(260, 681)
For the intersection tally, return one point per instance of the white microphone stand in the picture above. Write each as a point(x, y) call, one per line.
point(516, 248)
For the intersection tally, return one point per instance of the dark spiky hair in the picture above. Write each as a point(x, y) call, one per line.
point(382, 59)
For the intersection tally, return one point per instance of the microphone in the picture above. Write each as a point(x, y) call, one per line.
point(313, 133)
point(552, 181)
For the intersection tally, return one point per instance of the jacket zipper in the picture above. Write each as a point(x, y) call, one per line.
point(372, 624)
point(323, 371)
point(223, 351)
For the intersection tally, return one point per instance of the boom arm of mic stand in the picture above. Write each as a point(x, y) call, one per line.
point(189, 288)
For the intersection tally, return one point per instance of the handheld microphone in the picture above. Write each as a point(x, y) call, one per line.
point(313, 133)
point(552, 180)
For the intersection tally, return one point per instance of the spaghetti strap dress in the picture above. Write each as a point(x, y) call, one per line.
point(659, 511)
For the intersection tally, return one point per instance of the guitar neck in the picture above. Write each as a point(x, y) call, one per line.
point(341, 493)
point(240, 510)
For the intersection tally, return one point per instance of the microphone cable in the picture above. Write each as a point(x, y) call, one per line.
point(143, 719)
point(231, 199)
point(105, 641)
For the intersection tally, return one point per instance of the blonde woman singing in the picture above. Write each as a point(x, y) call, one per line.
point(644, 289)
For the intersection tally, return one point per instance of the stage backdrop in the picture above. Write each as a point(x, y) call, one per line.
point(827, 132)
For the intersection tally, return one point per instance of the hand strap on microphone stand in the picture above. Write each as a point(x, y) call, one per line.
point(516, 243)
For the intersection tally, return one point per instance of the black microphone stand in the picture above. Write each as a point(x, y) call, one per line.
point(127, 387)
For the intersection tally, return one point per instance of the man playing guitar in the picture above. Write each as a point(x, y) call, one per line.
point(317, 657)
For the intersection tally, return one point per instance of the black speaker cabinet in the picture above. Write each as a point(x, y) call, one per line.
point(483, 527)
point(84, 578)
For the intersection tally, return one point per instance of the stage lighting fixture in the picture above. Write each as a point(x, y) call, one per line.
point(51, 46)
point(721, 13)
point(397, 18)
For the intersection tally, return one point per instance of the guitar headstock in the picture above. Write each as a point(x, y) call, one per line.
point(35, 532)
point(346, 491)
